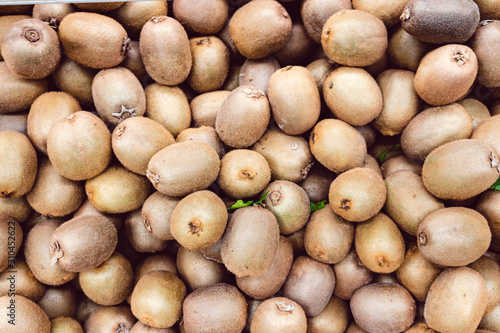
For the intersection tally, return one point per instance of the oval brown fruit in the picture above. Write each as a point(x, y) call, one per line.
point(279, 314)
point(27, 316)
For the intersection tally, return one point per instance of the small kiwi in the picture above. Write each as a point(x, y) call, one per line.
point(52, 13)
point(117, 319)
point(350, 275)
point(476, 109)
point(388, 12)
point(19, 279)
point(204, 107)
point(205, 134)
point(334, 318)
point(103, 45)
point(22, 315)
point(65, 325)
point(280, 315)
point(257, 72)
point(490, 271)
point(139, 237)
point(156, 213)
point(317, 183)
point(59, 301)
point(405, 51)
point(217, 308)
point(76, 80)
point(400, 163)
point(488, 205)
point(315, 13)
point(17, 208)
point(298, 48)
point(132, 15)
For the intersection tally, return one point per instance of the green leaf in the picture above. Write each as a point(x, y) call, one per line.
point(382, 155)
point(496, 185)
point(317, 206)
point(262, 199)
point(240, 203)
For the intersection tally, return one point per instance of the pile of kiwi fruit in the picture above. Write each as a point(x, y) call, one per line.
point(298, 166)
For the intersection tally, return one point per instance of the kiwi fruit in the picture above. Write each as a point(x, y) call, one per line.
point(204, 17)
point(294, 98)
point(83, 243)
point(317, 183)
point(328, 238)
point(139, 237)
point(204, 107)
point(337, 145)
point(14, 122)
point(19, 279)
point(488, 206)
point(250, 241)
point(298, 48)
point(379, 244)
point(110, 319)
point(170, 292)
point(490, 271)
point(156, 213)
point(388, 12)
point(79, 146)
point(289, 157)
point(476, 109)
point(420, 327)
point(132, 15)
point(320, 69)
point(372, 163)
point(18, 162)
point(217, 308)
point(440, 22)
point(5, 22)
point(75, 79)
point(133, 61)
point(258, 72)
point(18, 208)
point(104, 44)
point(408, 202)
point(136, 139)
point(23, 315)
point(86, 208)
point(205, 134)
point(118, 95)
point(99, 6)
point(260, 28)
point(59, 301)
point(477, 171)
point(357, 194)
point(400, 163)
point(52, 13)
point(491, 321)
point(404, 50)
point(279, 314)
point(446, 74)
point(214, 252)
point(315, 13)
point(334, 318)
point(350, 274)
point(483, 45)
point(139, 327)
point(456, 301)
point(65, 325)
point(155, 262)
point(165, 50)
point(383, 307)
point(243, 117)
point(486, 132)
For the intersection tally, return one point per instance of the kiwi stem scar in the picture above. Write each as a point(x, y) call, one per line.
point(125, 113)
point(56, 251)
point(283, 307)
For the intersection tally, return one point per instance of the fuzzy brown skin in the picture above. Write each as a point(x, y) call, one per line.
point(489, 9)
point(26, 283)
point(475, 172)
point(29, 317)
point(86, 208)
point(388, 11)
point(315, 13)
point(204, 17)
point(440, 22)
point(434, 127)
point(260, 28)
point(142, 328)
point(59, 301)
point(156, 212)
point(383, 307)
point(456, 301)
point(439, 231)
point(155, 262)
point(139, 237)
point(476, 109)
point(76, 80)
point(174, 50)
point(83, 243)
point(487, 132)
point(17, 208)
point(110, 319)
point(490, 271)
point(5, 23)
point(217, 308)
point(484, 43)
point(65, 325)
point(400, 163)
point(294, 99)
point(52, 13)
point(93, 40)
point(492, 320)
point(99, 6)
point(133, 61)
point(279, 314)
point(298, 48)
point(205, 134)
point(335, 317)
point(197, 271)
point(317, 183)
point(132, 15)
point(489, 205)
point(406, 51)
point(350, 274)
point(204, 107)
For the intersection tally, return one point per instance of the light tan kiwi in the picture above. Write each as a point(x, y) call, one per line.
point(243, 117)
point(244, 173)
point(168, 289)
point(65, 325)
point(456, 301)
point(334, 318)
point(289, 157)
point(279, 314)
point(401, 102)
point(383, 307)
point(204, 107)
point(385, 278)
point(79, 146)
point(5, 22)
point(31, 49)
point(315, 13)
point(389, 12)
point(488, 205)
point(203, 17)
point(17, 208)
point(183, 168)
point(328, 238)
point(118, 95)
point(408, 202)
point(400, 163)
point(99, 6)
point(339, 91)
point(257, 72)
point(217, 308)
point(446, 74)
point(24, 316)
point(420, 327)
point(487, 132)
point(205, 134)
point(83, 243)
point(490, 271)
point(18, 162)
point(317, 183)
point(103, 45)
point(310, 284)
point(19, 280)
point(14, 122)
point(260, 28)
point(161, 98)
point(350, 275)
point(248, 249)
point(156, 212)
point(139, 327)
point(357, 194)
point(155, 262)
point(405, 51)
point(59, 301)
point(476, 109)
point(54, 195)
point(133, 61)
point(132, 15)
point(294, 98)
point(337, 145)
point(110, 319)
point(379, 244)
point(268, 284)
point(173, 50)
point(298, 48)
point(76, 80)
point(354, 38)
point(139, 237)
point(52, 13)
point(136, 139)
point(476, 171)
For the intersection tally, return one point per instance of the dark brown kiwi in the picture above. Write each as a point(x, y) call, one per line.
point(19, 279)
point(205, 134)
point(383, 307)
point(133, 61)
point(310, 284)
point(5, 22)
point(379, 66)
point(328, 238)
point(253, 304)
point(248, 249)
point(59, 301)
point(279, 314)
point(139, 237)
point(16, 10)
point(490, 271)
point(294, 98)
point(14, 122)
point(257, 72)
point(350, 274)
point(388, 12)
point(488, 205)
point(110, 319)
point(298, 48)
point(476, 109)
point(335, 317)
point(456, 301)
point(379, 244)
point(405, 51)
point(18, 162)
point(487, 31)
point(52, 13)
point(85, 308)
point(488, 9)
point(31, 49)
point(486, 132)
point(83, 243)
point(315, 13)
point(156, 212)
point(438, 233)
point(203, 17)
point(289, 157)
point(243, 117)
point(440, 22)
point(132, 15)
point(22, 316)
point(160, 285)
point(260, 28)
point(76, 80)
point(17, 208)
point(204, 107)
point(99, 6)
point(400, 163)
point(65, 325)
point(217, 308)
point(104, 44)
point(164, 38)
point(317, 183)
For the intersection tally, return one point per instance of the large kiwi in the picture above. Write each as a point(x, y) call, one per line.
point(203, 17)
point(22, 315)
point(5, 22)
point(315, 13)
point(477, 110)
point(400, 163)
point(486, 131)
point(280, 315)
point(388, 12)
point(350, 275)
